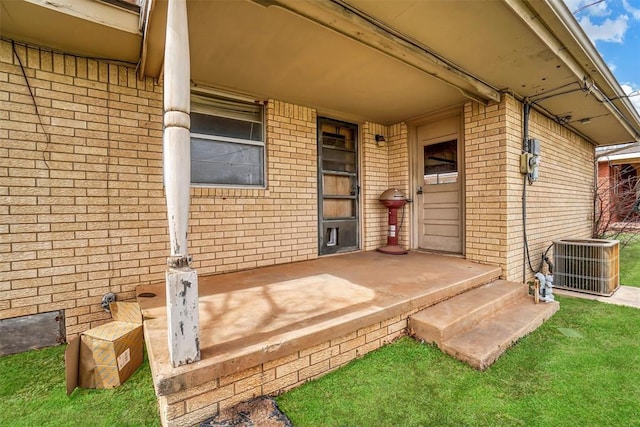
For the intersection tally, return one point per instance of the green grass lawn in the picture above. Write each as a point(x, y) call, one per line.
point(630, 264)
point(33, 393)
point(582, 367)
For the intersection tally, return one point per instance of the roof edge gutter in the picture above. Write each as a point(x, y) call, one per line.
point(340, 17)
point(146, 9)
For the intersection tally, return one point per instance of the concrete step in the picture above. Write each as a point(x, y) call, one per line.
point(442, 321)
point(490, 338)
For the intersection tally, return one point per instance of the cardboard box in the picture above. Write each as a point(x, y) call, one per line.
point(106, 356)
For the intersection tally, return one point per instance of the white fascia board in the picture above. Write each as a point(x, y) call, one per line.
point(616, 157)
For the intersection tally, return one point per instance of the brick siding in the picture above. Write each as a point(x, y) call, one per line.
point(83, 208)
point(383, 166)
point(188, 407)
point(82, 202)
point(559, 204)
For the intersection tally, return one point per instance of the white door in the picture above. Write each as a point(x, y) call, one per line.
point(439, 192)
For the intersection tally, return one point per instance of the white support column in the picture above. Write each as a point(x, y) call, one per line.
point(182, 281)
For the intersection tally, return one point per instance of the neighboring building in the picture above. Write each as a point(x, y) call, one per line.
point(288, 102)
point(618, 197)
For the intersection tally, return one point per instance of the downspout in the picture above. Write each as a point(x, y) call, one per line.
point(145, 12)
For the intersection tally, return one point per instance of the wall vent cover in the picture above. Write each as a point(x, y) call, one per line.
point(587, 265)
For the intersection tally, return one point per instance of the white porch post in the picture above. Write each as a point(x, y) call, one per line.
point(182, 281)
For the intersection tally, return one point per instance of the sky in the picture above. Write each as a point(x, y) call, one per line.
point(614, 28)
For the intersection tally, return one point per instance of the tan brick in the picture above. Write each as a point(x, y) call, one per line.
point(293, 366)
point(354, 343)
point(209, 398)
point(342, 358)
point(314, 371)
point(170, 411)
point(229, 379)
point(280, 384)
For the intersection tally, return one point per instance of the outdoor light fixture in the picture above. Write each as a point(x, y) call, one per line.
point(380, 139)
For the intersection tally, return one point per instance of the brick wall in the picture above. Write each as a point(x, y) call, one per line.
point(399, 175)
point(485, 156)
point(374, 180)
point(559, 204)
point(81, 185)
point(83, 208)
point(188, 407)
point(384, 165)
point(233, 229)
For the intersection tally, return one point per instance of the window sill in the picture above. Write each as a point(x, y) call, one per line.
point(228, 192)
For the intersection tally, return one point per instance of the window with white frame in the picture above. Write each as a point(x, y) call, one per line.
point(227, 142)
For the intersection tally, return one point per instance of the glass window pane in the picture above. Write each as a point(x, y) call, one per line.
point(218, 162)
point(441, 163)
point(214, 161)
point(223, 126)
point(338, 160)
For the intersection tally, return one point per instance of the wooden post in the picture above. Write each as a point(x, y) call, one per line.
point(181, 280)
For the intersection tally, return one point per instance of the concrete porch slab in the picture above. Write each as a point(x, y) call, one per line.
point(253, 317)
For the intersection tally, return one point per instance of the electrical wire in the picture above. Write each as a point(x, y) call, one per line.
point(524, 228)
point(35, 105)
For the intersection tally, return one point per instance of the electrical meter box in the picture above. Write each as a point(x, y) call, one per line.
point(534, 147)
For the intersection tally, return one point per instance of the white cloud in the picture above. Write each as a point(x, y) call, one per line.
point(632, 10)
point(632, 89)
point(611, 30)
point(599, 9)
point(612, 67)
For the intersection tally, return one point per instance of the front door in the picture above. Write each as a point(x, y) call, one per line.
point(439, 192)
point(337, 186)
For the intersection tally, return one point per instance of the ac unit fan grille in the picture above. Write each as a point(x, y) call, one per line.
point(589, 265)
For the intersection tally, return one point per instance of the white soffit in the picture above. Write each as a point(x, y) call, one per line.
point(500, 47)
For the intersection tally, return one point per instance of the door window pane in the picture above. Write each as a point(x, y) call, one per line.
point(441, 163)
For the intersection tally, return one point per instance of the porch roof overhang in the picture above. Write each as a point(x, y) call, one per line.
point(358, 59)
point(392, 61)
point(106, 29)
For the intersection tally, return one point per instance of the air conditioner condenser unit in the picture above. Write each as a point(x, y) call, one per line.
point(587, 265)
